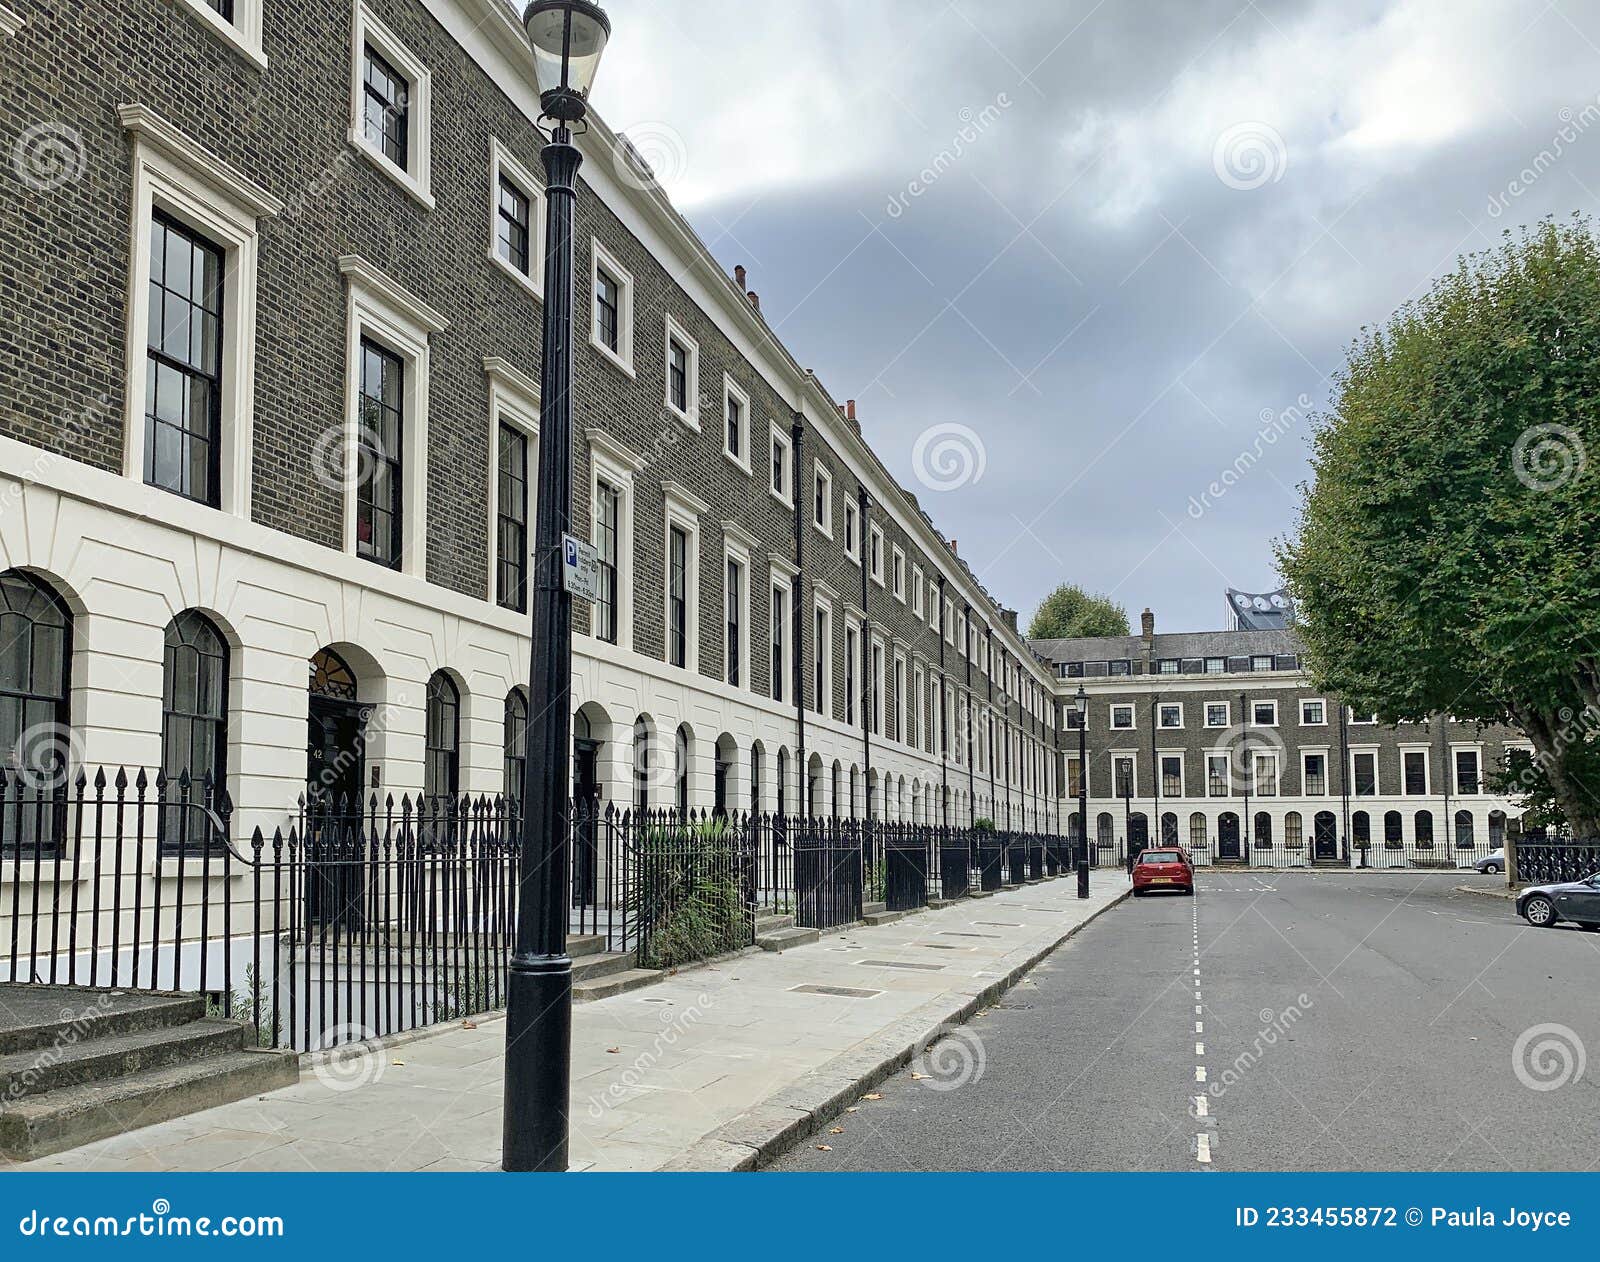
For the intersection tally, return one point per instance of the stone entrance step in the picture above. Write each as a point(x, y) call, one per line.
point(614, 984)
point(78, 1065)
point(783, 939)
point(884, 917)
point(591, 967)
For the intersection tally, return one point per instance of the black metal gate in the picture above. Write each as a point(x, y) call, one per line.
point(827, 874)
point(905, 886)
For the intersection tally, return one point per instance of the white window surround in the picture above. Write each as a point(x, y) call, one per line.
point(173, 173)
point(898, 670)
point(779, 440)
point(1427, 770)
point(737, 543)
point(1305, 722)
point(730, 391)
point(1361, 721)
point(1131, 757)
point(875, 552)
point(1315, 751)
point(917, 584)
point(243, 34)
point(897, 572)
point(781, 576)
point(367, 29)
point(379, 308)
point(1254, 722)
point(10, 22)
point(1227, 713)
point(502, 164)
point(821, 477)
point(683, 510)
point(878, 669)
point(1160, 717)
point(1259, 782)
point(675, 332)
point(949, 621)
point(513, 401)
point(1475, 748)
point(1213, 761)
point(616, 464)
point(1121, 708)
point(824, 703)
point(599, 257)
point(852, 533)
point(1183, 772)
point(1356, 754)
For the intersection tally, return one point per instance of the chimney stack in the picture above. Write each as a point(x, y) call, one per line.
point(738, 275)
point(953, 550)
point(850, 409)
point(755, 299)
point(1009, 617)
point(1147, 625)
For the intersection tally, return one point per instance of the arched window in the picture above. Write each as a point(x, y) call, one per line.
point(1263, 830)
point(1104, 828)
point(1197, 830)
point(1169, 829)
point(1391, 829)
point(194, 731)
point(837, 790)
point(1292, 837)
point(643, 757)
point(1464, 839)
point(681, 767)
point(35, 722)
point(1424, 826)
point(441, 767)
point(783, 782)
point(1361, 828)
point(1497, 829)
point(516, 746)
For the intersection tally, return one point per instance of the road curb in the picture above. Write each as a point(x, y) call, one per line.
point(756, 1137)
point(1509, 896)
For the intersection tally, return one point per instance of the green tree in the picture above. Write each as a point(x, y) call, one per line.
point(1069, 611)
point(1447, 556)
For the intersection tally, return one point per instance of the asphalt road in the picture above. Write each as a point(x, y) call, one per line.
point(1343, 1022)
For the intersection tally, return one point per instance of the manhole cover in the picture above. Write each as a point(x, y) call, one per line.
point(843, 992)
point(956, 933)
point(927, 968)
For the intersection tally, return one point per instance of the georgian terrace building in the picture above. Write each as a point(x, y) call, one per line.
point(1220, 736)
point(269, 425)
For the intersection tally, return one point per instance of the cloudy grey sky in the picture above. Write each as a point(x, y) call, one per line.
point(1151, 230)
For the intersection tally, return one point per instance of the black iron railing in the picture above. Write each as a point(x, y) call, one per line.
point(1542, 861)
point(356, 919)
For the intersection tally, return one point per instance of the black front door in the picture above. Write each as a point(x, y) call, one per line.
point(1324, 836)
point(586, 826)
point(333, 825)
point(1228, 836)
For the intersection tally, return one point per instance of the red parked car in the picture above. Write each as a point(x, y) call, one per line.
point(1163, 868)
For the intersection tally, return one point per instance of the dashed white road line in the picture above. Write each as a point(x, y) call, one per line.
point(1202, 1148)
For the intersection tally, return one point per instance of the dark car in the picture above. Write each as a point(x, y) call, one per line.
point(1574, 901)
point(1163, 868)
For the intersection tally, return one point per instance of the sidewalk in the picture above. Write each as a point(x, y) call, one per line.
point(713, 1068)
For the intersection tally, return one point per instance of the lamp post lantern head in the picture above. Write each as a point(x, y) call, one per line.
point(568, 37)
point(1083, 701)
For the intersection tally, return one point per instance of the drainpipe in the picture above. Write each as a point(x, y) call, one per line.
point(1246, 828)
point(1344, 782)
point(797, 434)
point(966, 654)
point(988, 696)
point(1155, 775)
point(944, 733)
point(865, 549)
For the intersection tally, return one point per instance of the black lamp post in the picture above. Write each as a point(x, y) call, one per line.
point(568, 37)
point(1083, 793)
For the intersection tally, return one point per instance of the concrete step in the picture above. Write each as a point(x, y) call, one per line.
point(49, 1016)
point(588, 968)
point(581, 944)
point(783, 939)
point(868, 909)
point(615, 984)
point(884, 917)
point(771, 924)
point(37, 1126)
point(37, 1071)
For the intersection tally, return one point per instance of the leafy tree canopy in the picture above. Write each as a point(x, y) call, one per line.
point(1447, 556)
point(1069, 612)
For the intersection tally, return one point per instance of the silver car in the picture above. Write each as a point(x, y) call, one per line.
point(1494, 861)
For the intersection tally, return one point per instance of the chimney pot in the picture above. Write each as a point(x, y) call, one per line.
point(738, 275)
point(755, 298)
point(953, 547)
point(850, 408)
